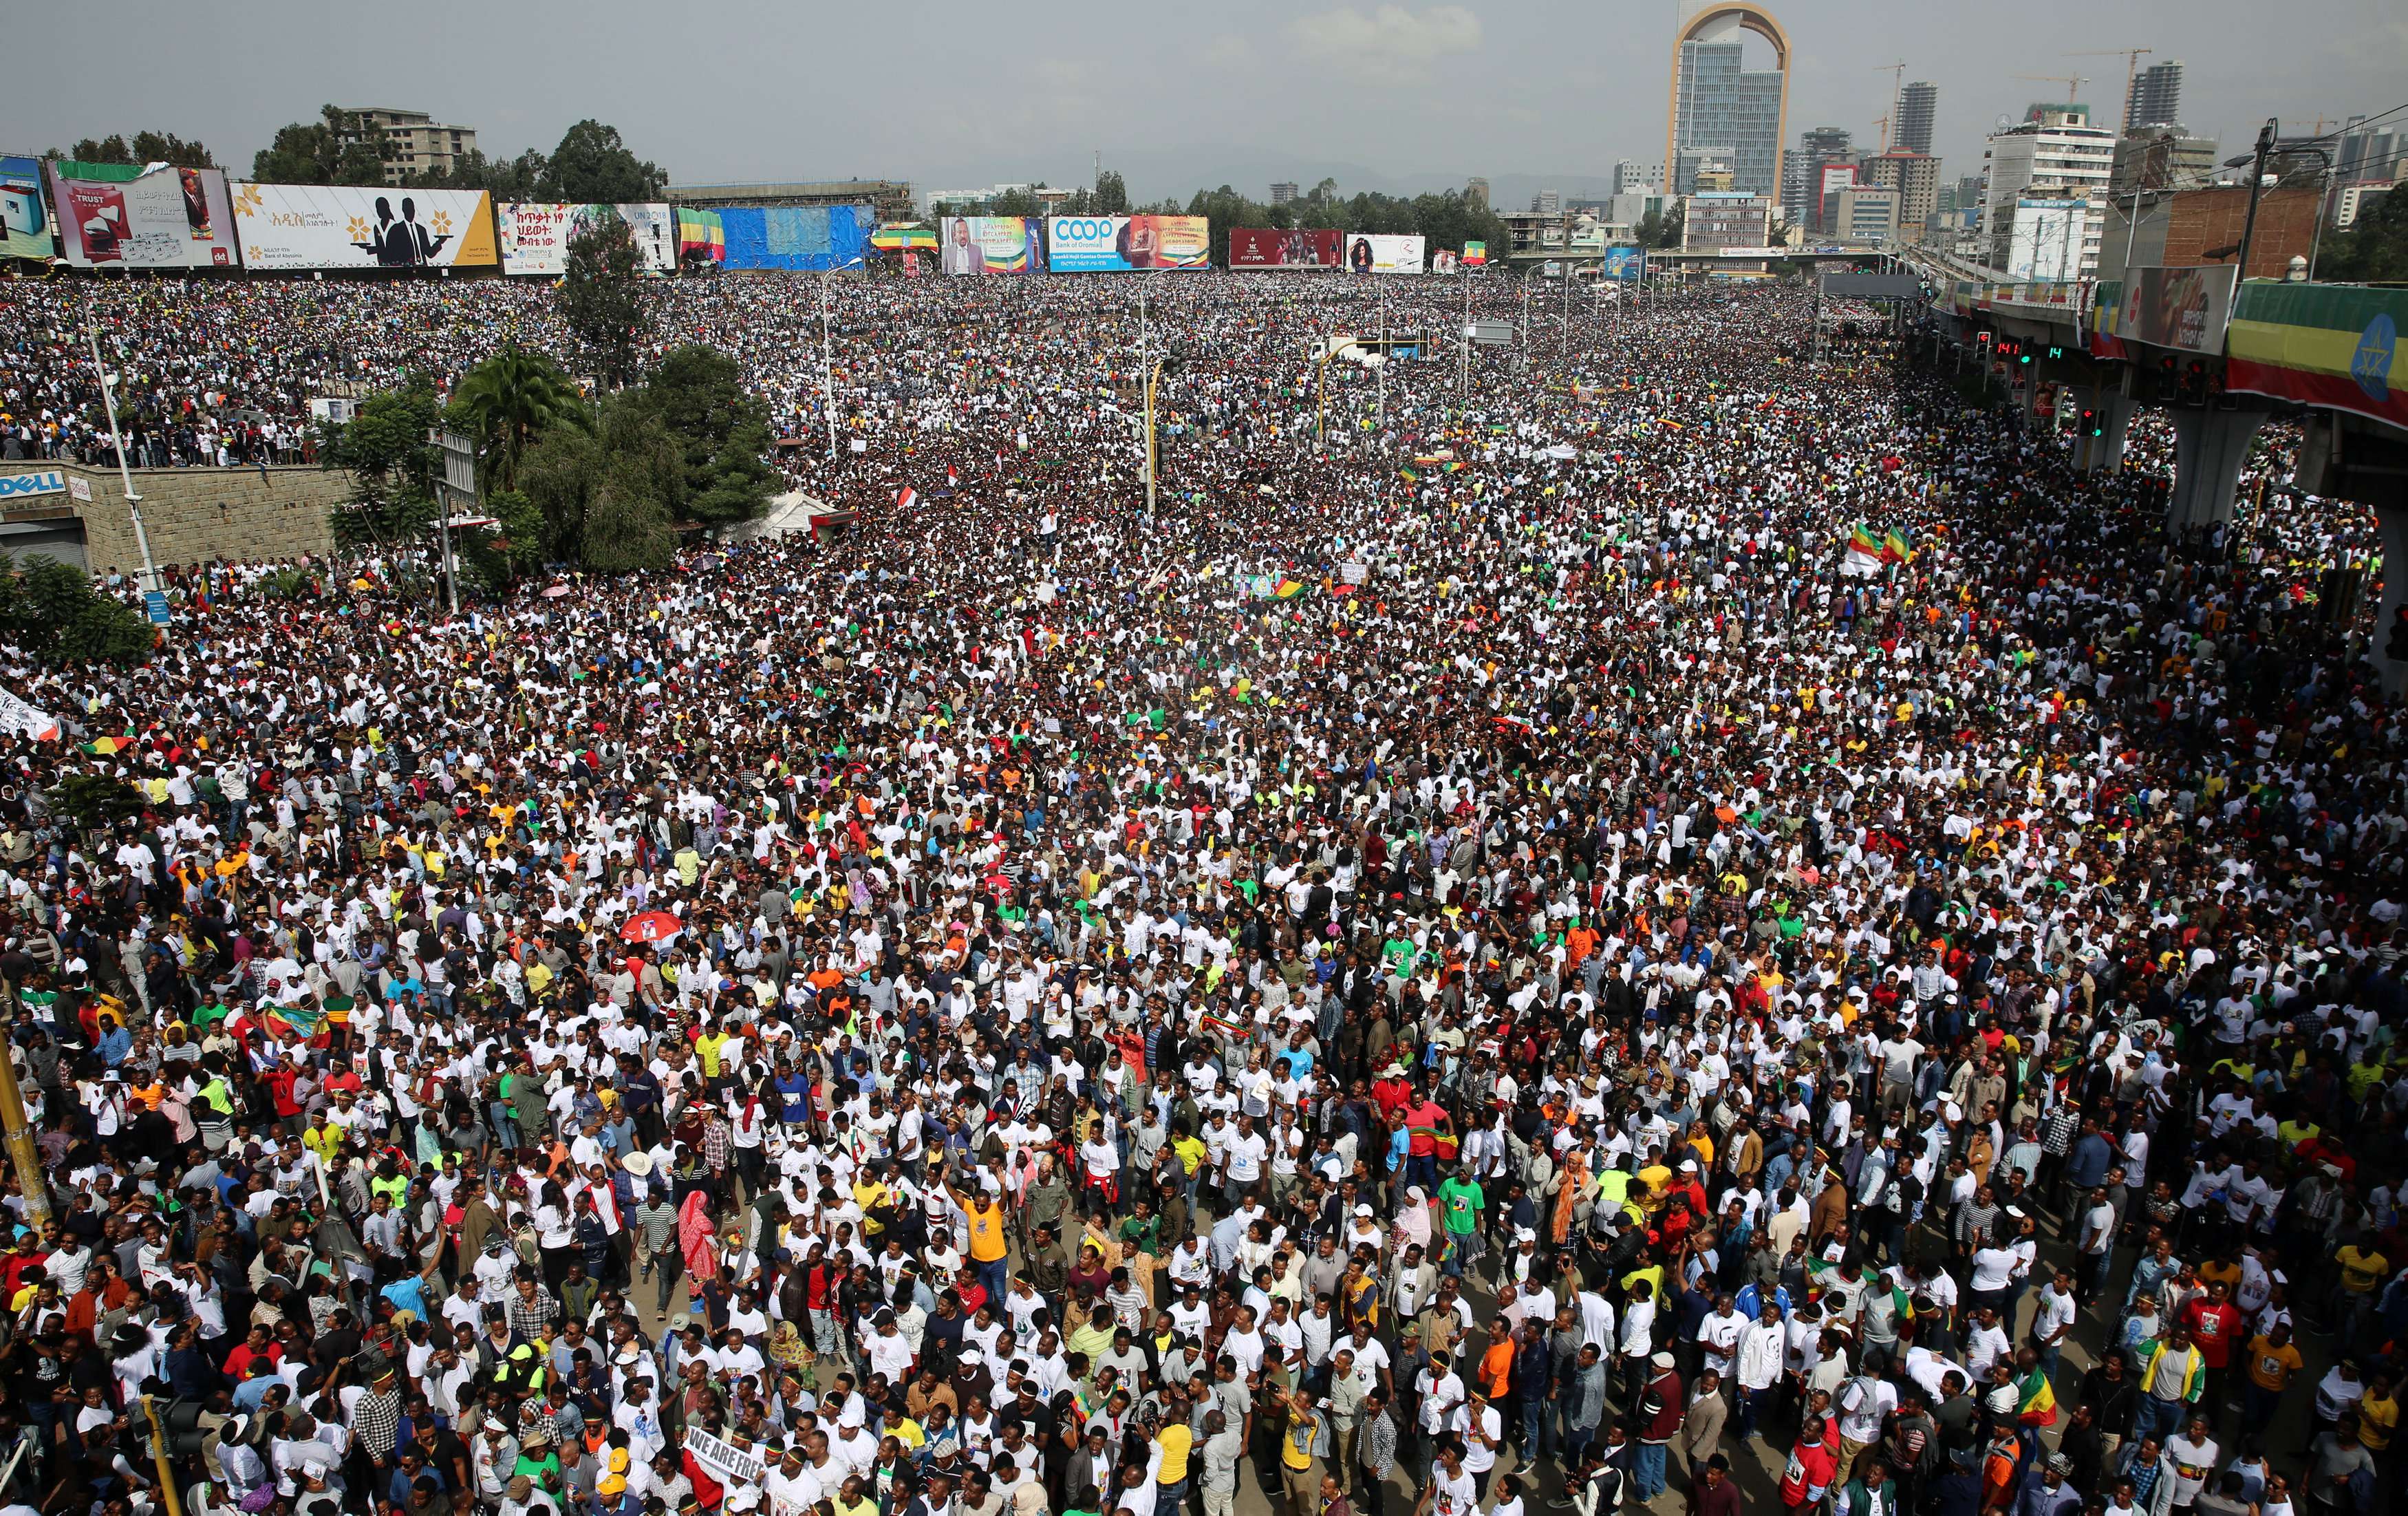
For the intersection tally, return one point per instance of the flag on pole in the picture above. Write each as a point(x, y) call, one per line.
point(1896, 548)
point(1407, 471)
point(1287, 589)
point(908, 498)
point(1864, 554)
point(952, 476)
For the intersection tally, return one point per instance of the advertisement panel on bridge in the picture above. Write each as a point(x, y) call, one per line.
point(535, 235)
point(1369, 252)
point(115, 215)
point(289, 226)
point(1626, 265)
point(991, 244)
point(2185, 309)
point(1115, 244)
point(1267, 247)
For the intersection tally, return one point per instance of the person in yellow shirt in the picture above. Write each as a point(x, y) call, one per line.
point(2271, 1363)
point(988, 1243)
point(1176, 1440)
point(323, 1138)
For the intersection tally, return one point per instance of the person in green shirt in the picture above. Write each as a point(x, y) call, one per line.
point(1461, 1202)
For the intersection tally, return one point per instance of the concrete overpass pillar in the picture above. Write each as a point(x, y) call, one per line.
point(2103, 453)
point(2210, 447)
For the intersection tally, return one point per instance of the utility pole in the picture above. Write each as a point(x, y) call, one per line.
point(124, 470)
point(2266, 135)
point(17, 1129)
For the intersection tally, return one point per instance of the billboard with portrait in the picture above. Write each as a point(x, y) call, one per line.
point(1369, 252)
point(1106, 244)
point(1267, 247)
point(334, 226)
point(2185, 309)
point(118, 216)
point(24, 226)
point(795, 236)
point(1627, 264)
point(535, 235)
point(991, 244)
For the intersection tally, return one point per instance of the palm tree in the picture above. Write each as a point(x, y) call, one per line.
point(510, 401)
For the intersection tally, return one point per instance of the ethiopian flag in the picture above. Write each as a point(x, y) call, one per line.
point(1408, 472)
point(2036, 1405)
point(1896, 548)
point(102, 747)
point(1287, 589)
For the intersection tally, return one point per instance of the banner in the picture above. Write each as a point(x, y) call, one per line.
point(1108, 244)
point(113, 215)
point(991, 244)
point(1369, 253)
point(1627, 264)
point(2335, 345)
point(535, 235)
point(722, 1460)
point(700, 238)
point(1443, 261)
point(339, 226)
point(1267, 247)
point(40, 482)
point(795, 236)
point(25, 720)
point(2177, 308)
point(24, 228)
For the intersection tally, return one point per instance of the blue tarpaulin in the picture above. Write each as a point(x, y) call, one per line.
point(795, 236)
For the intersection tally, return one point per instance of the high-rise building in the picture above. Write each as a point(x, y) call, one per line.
point(1716, 101)
point(1916, 176)
point(1476, 190)
point(1918, 103)
point(412, 140)
point(1628, 175)
point(1716, 220)
point(1547, 203)
point(2162, 159)
point(2155, 97)
point(2054, 154)
point(1801, 173)
point(1283, 195)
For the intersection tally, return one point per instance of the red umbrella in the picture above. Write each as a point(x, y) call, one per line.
point(653, 926)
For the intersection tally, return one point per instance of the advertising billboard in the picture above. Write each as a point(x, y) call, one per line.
point(113, 215)
point(2177, 308)
point(2044, 241)
point(1627, 264)
point(795, 236)
point(336, 226)
point(535, 235)
point(991, 244)
point(25, 228)
point(1267, 247)
point(1106, 244)
point(1369, 253)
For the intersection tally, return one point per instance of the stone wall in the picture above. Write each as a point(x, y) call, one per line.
point(193, 515)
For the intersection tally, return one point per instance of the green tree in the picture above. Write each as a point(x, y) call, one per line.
point(698, 395)
point(515, 546)
point(1111, 194)
point(145, 148)
point(592, 167)
point(641, 490)
point(598, 300)
point(393, 466)
point(2375, 249)
point(507, 402)
point(336, 149)
point(559, 477)
point(522, 177)
point(51, 610)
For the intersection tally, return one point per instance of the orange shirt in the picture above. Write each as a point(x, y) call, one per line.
point(1496, 1368)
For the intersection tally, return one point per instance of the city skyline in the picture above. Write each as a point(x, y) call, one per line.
point(1402, 98)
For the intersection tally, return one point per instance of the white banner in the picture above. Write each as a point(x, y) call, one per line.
point(172, 217)
point(722, 1460)
point(23, 719)
point(535, 235)
point(336, 226)
point(1369, 252)
point(40, 482)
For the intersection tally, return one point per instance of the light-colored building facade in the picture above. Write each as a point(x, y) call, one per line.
point(2053, 154)
point(415, 142)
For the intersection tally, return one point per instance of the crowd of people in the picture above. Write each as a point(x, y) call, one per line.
point(1527, 926)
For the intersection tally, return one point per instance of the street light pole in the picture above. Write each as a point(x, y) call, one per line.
point(1384, 365)
point(2266, 135)
point(827, 365)
point(1153, 375)
point(1463, 368)
point(124, 470)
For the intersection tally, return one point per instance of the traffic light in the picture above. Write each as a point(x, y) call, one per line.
point(2090, 426)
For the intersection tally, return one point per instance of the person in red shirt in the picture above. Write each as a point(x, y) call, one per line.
point(258, 1347)
point(1811, 1467)
point(2214, 1324)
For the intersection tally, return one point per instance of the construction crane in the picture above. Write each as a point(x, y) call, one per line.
point(1883, 122)
point(2073, 85)
point(2132, 57)
point(1896, 73)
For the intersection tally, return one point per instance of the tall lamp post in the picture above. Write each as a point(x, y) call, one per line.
point(124, 470)
point(2254, 161)
point(827, 353)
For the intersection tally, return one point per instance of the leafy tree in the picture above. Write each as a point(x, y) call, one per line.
point(1662, 230)
point(559, 476)
point(521, 178)
point(700, 396)
point(2376, 247)
point(592, 165)
point(598, 299)
point(145, 148)
point(394, 467)
point(92, 801)
point(507, 401)
point(1111, 194)
point(317, 153)
point(51, 610)
point(515, 547)
point(641, 490)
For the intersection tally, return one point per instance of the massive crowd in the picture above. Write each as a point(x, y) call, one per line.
point(1473, 955)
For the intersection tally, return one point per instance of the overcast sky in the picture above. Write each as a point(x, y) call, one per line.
point(949, 95)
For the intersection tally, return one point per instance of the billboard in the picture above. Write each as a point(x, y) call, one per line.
point(535, 235)
point(1267, 247)
point(1369, 253)
point(1627, 264)
point(339, 226)
point(113, 215)
point(795, 236)
point(1105, 244)
point(24, 228)
point(2177, 308)
point(2044, 242)
point(991, 244)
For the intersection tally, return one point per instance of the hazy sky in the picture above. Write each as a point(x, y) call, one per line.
point(951, 95)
